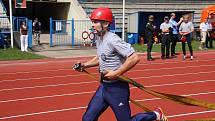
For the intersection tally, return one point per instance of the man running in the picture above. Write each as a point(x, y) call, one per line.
point(114, 58)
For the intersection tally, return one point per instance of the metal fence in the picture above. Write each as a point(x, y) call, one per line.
point(17, 21)
point(70, 32)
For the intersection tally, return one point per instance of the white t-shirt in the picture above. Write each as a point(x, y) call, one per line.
point(112, 51)
point(204, 27)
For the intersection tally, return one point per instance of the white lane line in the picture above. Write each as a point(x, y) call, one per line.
point(72, 60)
point(36, 71)
point(135, 70)
point(188, 114)
point(187, 95)
point(39, 113)
point(44, 62)
point(72, 75)
point(45, 86)
point(38, 78)
point(171, 68)
point(174, 62)
point(49, 96)
point(171, 75)
point(67, 84)
point(81, 93)
point(84, 107)
point(56, 70)
point(180, 83)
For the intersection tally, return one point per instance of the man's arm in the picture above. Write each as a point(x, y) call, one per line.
point(129, 63)
point(91, 63)
point(181, 20)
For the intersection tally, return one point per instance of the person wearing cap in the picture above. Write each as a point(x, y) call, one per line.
point(114, 58)
point(149, 31)
point(175, 36)
point(166, 29)
point(185, 30)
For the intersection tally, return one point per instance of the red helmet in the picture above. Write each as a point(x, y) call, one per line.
point(104, 14)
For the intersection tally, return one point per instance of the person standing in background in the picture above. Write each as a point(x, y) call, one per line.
point(204, 26)
point(37, 30)
point(24, 37)
point(166, 29)
point(209, 39)
point(186, 28)
point(149, 31)
point(175, 36)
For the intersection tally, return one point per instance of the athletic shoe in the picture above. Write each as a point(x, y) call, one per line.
point(162, 57)
point(149, 59)
point(191, 57)
point(162, 115)
point(184, 57)
point(167, 57)
point(200, 48)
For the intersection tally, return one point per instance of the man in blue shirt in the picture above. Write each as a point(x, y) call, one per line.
point(175, 36)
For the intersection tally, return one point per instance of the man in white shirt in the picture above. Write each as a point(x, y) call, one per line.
point(204, 26)
point(166, 28)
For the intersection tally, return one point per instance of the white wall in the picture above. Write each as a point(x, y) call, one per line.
point(76, 11)
point(82, 21)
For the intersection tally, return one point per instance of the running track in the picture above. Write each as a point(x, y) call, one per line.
point(49, 90)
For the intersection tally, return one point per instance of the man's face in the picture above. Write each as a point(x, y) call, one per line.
point(166, 20)
point(96, 25)
point(99, 26)
point(185, 19)
point(173, 16)
point(151, 19)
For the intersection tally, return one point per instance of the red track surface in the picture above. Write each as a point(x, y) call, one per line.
point(49, 90)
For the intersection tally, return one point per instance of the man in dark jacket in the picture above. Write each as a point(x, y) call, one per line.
point(150, 28)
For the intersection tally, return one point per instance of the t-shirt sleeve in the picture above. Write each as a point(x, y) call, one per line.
point(191, 25)
point(161, 26)
point(200, 26)
point(122, 47)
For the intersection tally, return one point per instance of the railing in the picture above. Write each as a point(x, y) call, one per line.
point(4, 24)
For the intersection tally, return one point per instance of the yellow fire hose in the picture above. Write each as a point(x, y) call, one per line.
point(175, 98)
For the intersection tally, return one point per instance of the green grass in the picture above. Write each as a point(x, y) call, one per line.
point(157, 48)
point(16, 54)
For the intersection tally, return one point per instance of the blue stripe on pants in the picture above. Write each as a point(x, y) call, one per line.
point(116, 95)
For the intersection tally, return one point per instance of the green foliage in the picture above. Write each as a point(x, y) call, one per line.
point(157, 47)
point(16, 54)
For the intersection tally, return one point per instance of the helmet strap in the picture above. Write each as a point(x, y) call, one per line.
point(102, 31)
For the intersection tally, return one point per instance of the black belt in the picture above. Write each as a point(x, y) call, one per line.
point(105, 80)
